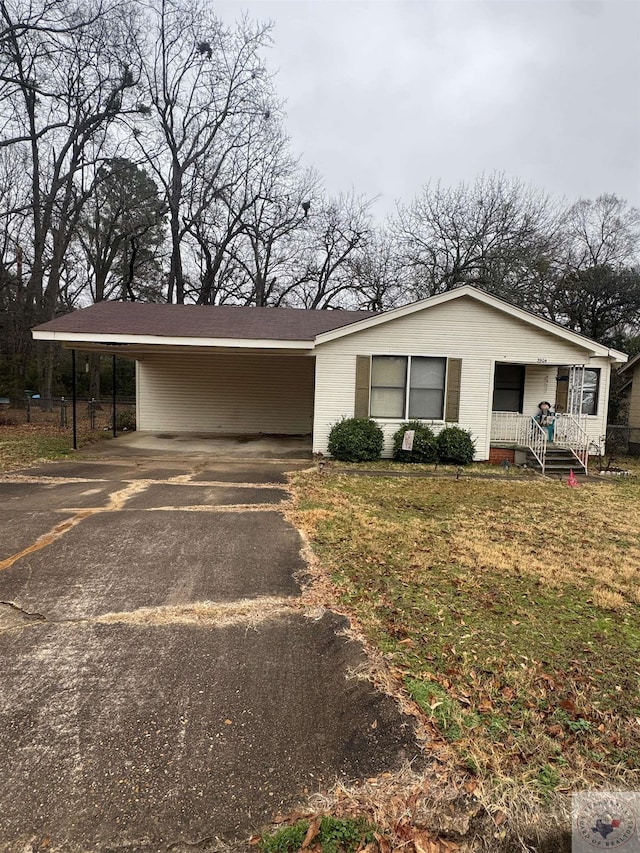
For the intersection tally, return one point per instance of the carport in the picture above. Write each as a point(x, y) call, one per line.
point(219, 370)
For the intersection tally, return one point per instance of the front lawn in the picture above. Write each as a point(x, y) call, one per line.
point(23, 445)
point(509, 612)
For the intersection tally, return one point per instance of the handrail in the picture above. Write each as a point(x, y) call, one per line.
point(570, 433)
point(534, 437)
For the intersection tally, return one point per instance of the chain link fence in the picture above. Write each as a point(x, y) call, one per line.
point(57, 412)
point(623, 440)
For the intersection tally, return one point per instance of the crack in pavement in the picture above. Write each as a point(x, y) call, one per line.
point(214, 509)
point(116, 501)
point(247, 611)
point(180, 480)
point(25, 614)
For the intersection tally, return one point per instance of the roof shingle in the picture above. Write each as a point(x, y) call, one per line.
point(202, 321)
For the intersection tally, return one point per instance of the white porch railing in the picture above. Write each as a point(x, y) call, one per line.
point(533, 436)
point(504, 426)
point(524, 431)
point(572, 435)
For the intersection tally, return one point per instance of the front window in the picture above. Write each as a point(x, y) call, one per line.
point(407, 387)
point(590, 388)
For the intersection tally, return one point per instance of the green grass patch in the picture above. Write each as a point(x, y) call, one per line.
point(510, 609)
point(333, 835)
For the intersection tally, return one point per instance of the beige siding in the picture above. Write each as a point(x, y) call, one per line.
point(465, 329)
point(226, 393)
point(634, 400)
point(539, 385)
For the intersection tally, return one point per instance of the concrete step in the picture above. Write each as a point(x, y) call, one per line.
point(558, 461)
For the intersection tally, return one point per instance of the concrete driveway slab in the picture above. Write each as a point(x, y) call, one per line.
point(152, 472)
point(20, 529)
point(159, 687)
point(54, 496)
point(140, 445)
point(87, 470)
point(158, 495)
point(117, 736)
point(248, 473)
point(123, 561)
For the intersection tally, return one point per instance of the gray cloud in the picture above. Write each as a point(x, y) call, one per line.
point(385, 96)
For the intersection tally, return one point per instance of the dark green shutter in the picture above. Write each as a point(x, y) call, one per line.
point(363, 380)
point(452, 397)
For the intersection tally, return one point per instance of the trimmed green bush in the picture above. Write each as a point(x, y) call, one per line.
point(356, 440)
point(455, 446)
point(424, 443)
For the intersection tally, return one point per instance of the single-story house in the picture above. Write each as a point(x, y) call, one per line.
point(463, 357)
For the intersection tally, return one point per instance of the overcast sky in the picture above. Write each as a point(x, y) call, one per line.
point(386, 95)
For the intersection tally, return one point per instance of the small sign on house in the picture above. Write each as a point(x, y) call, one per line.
point(407, 439)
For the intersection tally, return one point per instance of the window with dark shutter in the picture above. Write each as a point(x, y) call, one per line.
point(407, 387)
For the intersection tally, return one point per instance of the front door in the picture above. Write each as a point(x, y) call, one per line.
point(569, 389)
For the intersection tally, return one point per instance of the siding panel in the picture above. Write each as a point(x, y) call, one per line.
point(465, 329)
point(226, 393)
point(634, 401)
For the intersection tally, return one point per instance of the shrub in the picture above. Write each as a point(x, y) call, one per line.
point(125, 420)
point(356, 440)
point(455, 446)
point(424, 443)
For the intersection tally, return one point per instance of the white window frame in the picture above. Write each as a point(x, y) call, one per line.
point(577, 390)
point(583, 390)
point(407, 386)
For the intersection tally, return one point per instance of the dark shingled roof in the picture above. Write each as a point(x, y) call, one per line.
point(202, 321)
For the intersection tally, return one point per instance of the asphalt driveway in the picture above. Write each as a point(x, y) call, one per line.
point(160, 686)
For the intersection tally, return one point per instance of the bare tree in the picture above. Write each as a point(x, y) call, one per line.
point(487, 234)
point(280, 203)
point(596, 290)
point(63, 82)
point(220, 200)
point(377, 275)
point(337, 231)
point(601, 232)
point(206, 85)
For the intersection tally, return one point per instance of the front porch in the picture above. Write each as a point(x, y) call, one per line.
point(519, 438)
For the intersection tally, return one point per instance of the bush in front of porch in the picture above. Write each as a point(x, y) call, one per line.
point(424, 443)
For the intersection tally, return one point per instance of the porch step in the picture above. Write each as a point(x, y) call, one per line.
point(559, 461)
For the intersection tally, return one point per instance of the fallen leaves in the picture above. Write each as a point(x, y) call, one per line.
point(485, 607)
point(314, 829)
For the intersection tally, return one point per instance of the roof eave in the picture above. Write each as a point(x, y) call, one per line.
point(170, 341)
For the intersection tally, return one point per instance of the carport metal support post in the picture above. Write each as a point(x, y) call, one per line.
point(73, 397)
point(113, 391)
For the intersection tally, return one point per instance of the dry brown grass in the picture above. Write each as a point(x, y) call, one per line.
point(502, 613)
point(249, 612)
point(24, 444)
